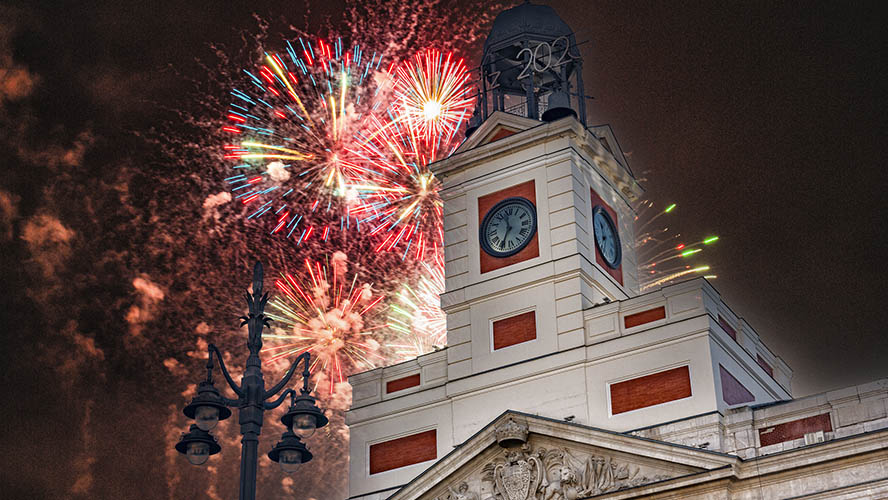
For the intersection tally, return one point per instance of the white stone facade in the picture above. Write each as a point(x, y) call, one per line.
point(571, 383)
point(568, 461)
point(588, 346)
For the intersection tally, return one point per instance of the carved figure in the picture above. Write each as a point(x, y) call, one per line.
point(600, 474)
point(461, 492)
point(488, 483)
point(562, 485)
point(561, 482)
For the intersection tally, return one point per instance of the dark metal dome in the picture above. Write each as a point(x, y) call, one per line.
point(530, 58)
point(526, 20)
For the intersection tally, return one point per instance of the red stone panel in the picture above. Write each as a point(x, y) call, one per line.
point(500, 134)
point(733, 391)
point(644, 317)
point(402, 383)
point(485, 203)
point(795, 429)
point(727, 326)
point(404, 451)
point(764, 364)
point(650, 390)
point(617, 273)
point(514, 330)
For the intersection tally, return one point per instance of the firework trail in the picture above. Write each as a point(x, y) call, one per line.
point(661, 254)
point(672, 275)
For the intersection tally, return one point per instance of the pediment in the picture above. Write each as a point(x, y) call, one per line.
point(598, 144)
point(497, 126)
point(608, 139)
point(556, 461)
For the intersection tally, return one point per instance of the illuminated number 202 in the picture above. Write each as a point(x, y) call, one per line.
point(534, 57)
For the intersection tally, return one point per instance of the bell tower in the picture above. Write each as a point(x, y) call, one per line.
point(530, 67)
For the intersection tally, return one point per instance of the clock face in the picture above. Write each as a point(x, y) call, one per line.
point(607, 241)
point(508, 227)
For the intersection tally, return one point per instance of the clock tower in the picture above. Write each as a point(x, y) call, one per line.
point(541, 293)
point(537, 228)
point(537, 206)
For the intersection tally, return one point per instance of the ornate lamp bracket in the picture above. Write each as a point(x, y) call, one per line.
point(306, 357)
point(256, 319)
point(231, 383)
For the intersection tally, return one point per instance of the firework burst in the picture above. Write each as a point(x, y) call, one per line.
point(329, 315)
point(409, 218)
point(363, 164)
point(416, 317)
point(432, 100)
point(311, 155)
point(294, 131)
point(430, 105)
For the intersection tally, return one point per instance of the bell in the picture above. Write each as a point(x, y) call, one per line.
point(559, 107)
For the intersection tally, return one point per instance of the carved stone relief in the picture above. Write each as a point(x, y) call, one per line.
point(459, 492)
point(537, 473)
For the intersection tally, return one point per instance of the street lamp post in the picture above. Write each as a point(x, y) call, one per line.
point(209, 406)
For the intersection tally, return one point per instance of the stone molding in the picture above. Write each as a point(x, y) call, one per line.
point(556, 467)
point(631, 461)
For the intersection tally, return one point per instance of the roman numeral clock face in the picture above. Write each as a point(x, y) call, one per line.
point(607, 240)
point(508, 227)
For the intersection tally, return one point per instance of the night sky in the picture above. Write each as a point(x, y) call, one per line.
point(763, 123)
